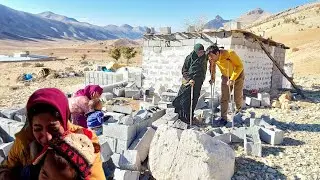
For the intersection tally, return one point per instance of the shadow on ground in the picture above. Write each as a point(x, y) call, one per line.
point(287, 141)
point(271, 150)
point(247, 168)
point(292, 126)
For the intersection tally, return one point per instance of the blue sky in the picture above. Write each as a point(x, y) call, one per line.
point(172, 13)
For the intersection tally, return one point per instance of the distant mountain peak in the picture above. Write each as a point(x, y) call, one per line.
point(53, 16)
point(256, 11)
point(218, 17)
point(216, 23)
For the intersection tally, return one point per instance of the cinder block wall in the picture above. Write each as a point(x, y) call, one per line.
point(162, 60)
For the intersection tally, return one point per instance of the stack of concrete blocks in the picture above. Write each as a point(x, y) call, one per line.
point(102, 78)
point(253, 102)
point(132, 74)
point(18, 114)
point(277, 77)
point(162, 63)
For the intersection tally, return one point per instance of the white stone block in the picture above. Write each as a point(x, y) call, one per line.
point(142, 143)
point(116, 116)
point(128, 160)
point(119, 131)
point(264, 98)
point(164, 119)
point(106, 96)
point(5, 148)
point(253, 102)
point(126, 120)
point(271, 136)
point(106, 151)
point(122, 109)
point(126, 175)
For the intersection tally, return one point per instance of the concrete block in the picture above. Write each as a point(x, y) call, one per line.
point(123, 145)
point(14, 127)
point(142, 125)
point(106, 150)
point(5, 148)
point(116, 116)
point(237, 134)
point(252, 145)
point(157, 114)
point(141, 115)
point(146, 106)
point(265, 99)
point(129, 93)
point(226, 138)
point(168, 96)
point(20, 118)
point(164, 119)
point(142, 143)
point(106, 96)
point(8, 113)
point(122, 109)
point(271, 136)
point(165, 105)
point(178, 124)
point(119, 91)
point(126, 175)
point(253, 102)
point(119, 131)
point(126, 120)
point(128, 160)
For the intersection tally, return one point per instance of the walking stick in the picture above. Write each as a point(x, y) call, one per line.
point(191, 104)
point(231, 98)
point(212, 99)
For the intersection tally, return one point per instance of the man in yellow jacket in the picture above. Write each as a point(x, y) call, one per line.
point(231, 68)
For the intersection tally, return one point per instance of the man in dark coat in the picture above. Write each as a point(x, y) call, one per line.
point(193, 72)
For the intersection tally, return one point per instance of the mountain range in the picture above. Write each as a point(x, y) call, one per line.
point(19, 25)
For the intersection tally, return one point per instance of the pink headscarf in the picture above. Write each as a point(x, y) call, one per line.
point(88, 91)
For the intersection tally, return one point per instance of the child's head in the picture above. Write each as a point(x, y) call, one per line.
point(95, 104)
point(56, 167)
point(69, 157)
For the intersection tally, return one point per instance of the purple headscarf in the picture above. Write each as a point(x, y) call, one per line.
point(88, 91)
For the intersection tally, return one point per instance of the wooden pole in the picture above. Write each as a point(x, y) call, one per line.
point(280, 69)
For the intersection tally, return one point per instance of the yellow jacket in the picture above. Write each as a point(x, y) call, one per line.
point(228, 59)
point(24, 150)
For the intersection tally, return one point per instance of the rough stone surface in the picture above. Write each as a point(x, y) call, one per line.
point(162, 151)
point(142, 143)
point(195, 156)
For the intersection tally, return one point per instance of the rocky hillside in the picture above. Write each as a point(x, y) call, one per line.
point(298, 28)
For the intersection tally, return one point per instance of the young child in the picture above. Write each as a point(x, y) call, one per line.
point(66, 158)
point(95, 116)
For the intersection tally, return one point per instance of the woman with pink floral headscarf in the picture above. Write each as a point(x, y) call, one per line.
point(79, 103)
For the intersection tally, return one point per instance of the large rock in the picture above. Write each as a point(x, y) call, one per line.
point(199, 156)
point(189, 155)
point(162, 151)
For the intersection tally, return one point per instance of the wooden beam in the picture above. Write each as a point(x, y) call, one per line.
point(280, 69)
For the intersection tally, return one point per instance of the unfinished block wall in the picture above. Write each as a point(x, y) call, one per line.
point(163, 60)
point(279, 55)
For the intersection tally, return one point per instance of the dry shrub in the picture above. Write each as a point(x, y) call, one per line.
point(295, 49)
